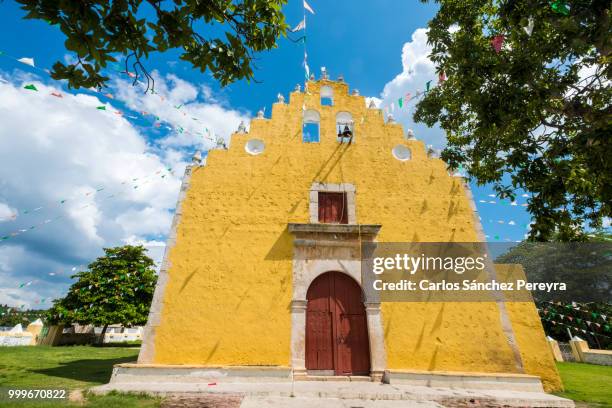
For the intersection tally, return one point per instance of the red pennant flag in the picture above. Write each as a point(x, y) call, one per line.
point(497, 42)
point(442, 77)
point(57, 94)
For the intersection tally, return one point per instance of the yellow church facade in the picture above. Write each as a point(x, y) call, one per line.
point(270, 229)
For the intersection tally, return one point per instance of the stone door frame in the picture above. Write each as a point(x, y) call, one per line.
point(321, 248)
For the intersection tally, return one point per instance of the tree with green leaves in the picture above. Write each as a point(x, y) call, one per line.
point(585, 267)
point(527, 104)
point(117, 288)
point(217, 35)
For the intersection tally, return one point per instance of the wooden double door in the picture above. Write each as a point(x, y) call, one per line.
point(336, 327)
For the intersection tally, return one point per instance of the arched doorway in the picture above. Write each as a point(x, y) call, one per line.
point(336, 327)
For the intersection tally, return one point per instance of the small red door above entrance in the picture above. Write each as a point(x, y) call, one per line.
point(336, 326)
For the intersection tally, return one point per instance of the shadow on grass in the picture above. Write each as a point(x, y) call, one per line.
point(93, 371)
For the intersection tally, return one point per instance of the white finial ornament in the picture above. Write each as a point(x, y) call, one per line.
point(340, 78)
point(312, 77)
point(390, 118)
point(372, 105)
point(323, 73)
point(410, 134)
point(260, 114)
point(241, 127)
point(356, 92)
point(281, 98)
point(197, 157)
point(298, 88)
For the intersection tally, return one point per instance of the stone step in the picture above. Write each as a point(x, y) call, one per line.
point(360, 391)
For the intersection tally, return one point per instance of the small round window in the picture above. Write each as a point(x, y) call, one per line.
point(401, 153)
point(254, 147)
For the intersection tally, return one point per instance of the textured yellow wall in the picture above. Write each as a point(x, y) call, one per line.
point(230, 277)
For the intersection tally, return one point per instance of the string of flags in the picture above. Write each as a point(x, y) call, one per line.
point(207, 134)
point(22, 231)
point(587, 324)
point(59, 203)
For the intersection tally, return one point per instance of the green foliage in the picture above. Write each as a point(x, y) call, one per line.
point(11, 316)
point(116, 289)
point(534, 116)
point(585, 267)
point(97, 31)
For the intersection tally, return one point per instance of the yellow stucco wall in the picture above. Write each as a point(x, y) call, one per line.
point(229, 287)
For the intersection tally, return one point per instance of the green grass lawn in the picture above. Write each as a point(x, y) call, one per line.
point(587, 383)
point(76, 367)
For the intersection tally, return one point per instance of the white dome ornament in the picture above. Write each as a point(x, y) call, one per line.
point(254, 147)
point(390, 118)
point(260, 114)
point(372, 104)
point(410, 134)
point(280, 98)
point(298, 88)
point(242, 128)
point(355, 92)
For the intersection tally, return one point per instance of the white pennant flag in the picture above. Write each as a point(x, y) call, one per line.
point(300, 26)
point(27, 61)
point(529, 28)
point(307, 7)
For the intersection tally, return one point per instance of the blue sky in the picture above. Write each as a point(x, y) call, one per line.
point(58, 149)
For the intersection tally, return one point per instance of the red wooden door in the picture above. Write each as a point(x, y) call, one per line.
point(336, 328)
point(332, 208)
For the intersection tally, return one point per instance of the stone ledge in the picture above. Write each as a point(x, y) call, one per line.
point(368, 229)
point(507, 381)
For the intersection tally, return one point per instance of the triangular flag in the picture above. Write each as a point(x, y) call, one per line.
point(561, 7)
point(307, 7)
point(427, 85)
point(31, 87)
point(56, 94)
point(101, 107)
point(497, 42)
point(529, 27)
point(407, 97)
point(27, 61)
point(399, 102)
point(300, 26)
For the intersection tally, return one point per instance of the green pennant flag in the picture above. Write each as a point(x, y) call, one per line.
point(5, 237)
point(496, 237)
point(101, 107)
point(62, 202)
point(400, 102)
point(561, 7)
point(427, 85)
point(31, 87)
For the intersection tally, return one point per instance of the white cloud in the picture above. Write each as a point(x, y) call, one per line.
point(417, 69)
point(56, 149)
point(178, 102)
point(6, 212)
